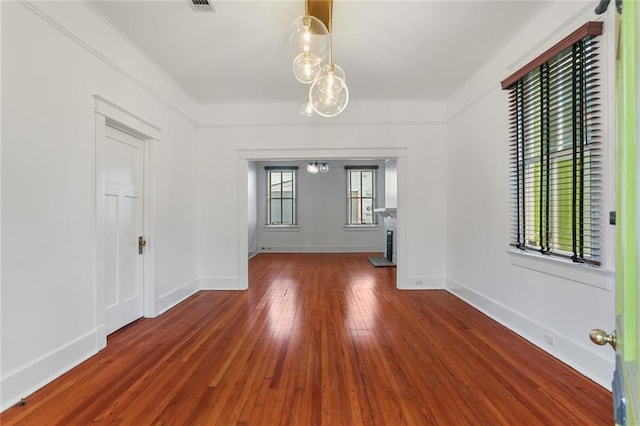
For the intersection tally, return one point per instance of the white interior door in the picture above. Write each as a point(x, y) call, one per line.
point(124, 225)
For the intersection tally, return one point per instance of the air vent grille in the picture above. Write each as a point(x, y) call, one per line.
point(201, 6)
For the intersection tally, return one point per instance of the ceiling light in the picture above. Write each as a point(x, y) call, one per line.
point(308, 44)
point(305, 67)
point(313, 168)
point(306, 108)
point(329, 94)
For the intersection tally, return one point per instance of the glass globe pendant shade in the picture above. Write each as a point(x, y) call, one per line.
point(324, 167)
point(329, 93)
point(308, 34)
point(313, 168)
point(306, 67)
point(333, 106)
point(306, 107)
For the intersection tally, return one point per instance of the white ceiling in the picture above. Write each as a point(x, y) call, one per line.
point(401, 50)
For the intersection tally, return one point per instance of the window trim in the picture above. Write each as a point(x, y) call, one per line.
point(294, 198)
point(602, 278)
point(362, 227)
point(374, 197)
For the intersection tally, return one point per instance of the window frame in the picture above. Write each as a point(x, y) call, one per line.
point(350, 198)
point(584, 144)
point(269, 196)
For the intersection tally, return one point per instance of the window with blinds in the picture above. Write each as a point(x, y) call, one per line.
point(555, 150)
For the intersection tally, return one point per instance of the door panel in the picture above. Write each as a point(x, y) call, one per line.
point(123, 221)
point(626, 378)
point(627, 207)
point(128, 234)
point(111, 241)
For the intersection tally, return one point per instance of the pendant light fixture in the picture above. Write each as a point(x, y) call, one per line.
point(323, 167)
point(328, 95)
point(307, 45)
point(315, 168)
point(306, 108)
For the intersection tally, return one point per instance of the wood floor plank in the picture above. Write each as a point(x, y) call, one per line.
point(318, 339)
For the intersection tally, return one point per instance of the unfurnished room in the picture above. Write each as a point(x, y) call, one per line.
point(319, 212)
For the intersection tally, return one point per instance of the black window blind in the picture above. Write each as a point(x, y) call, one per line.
point(555, 155)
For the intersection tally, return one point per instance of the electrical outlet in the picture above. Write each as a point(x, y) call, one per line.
point(419, 282)
point(550, 340)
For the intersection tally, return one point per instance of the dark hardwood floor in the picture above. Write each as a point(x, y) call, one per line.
point(319, 339)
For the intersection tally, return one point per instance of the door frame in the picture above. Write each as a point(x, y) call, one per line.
point(244, 156)
point(108, 113)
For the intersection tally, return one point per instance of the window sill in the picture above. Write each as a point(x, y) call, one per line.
point(375, 227)
point(281, 228)
point(580, 273)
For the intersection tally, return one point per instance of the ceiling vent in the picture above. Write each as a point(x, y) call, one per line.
point(201, 6)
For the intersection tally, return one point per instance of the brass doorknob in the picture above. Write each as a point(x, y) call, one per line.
point(601, 337)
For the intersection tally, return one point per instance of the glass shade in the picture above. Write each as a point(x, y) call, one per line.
point(308, 34)
point(329, 94)
point(306, 108)
point(306, 66)
point(324, 167)
point(313, 168)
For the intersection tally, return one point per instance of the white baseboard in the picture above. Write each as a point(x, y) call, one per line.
point(253, 252)
point(421, 283)
point(211, 283)
point(168, 300)
point(323, 249)
point(24, 381)
point(101, 336)
point(579, 356)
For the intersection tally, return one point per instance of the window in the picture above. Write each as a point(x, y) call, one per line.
point(281, 195)
point(556, 150)
point(361, 194)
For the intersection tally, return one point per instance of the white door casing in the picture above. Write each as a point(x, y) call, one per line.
point(110, 114)
point(398, 153)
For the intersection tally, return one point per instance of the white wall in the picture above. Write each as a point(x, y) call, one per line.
point(536, 299)
point(55, 57)
point(423, 145)
point(252, 204)
point(391, 186)
point(321, 207)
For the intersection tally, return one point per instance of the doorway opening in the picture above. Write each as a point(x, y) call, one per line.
point(247, 158)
